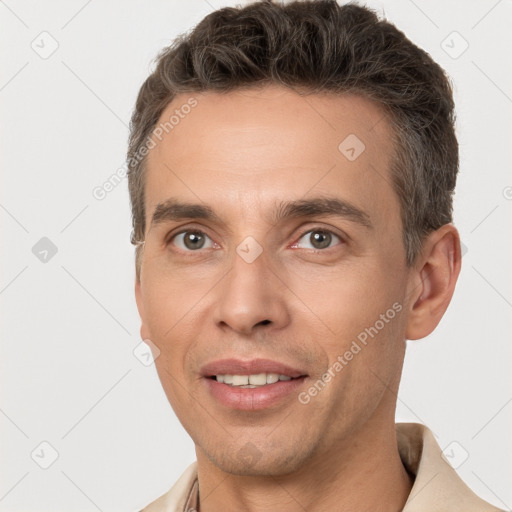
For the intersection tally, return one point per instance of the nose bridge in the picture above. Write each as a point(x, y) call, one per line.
point(251, 293)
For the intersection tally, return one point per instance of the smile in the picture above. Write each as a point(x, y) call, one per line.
point(251, 381)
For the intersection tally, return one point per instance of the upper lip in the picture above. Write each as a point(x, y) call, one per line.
point(251, 367)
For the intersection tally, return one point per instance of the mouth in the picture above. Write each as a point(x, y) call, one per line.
point(257, 372)
point(256, 380)
point(251, 385)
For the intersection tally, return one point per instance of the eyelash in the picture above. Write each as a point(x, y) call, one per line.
point(310, 230)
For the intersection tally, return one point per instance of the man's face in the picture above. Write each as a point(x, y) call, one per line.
point(254, 284)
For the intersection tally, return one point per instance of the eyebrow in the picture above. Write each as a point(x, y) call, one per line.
point(174, 210)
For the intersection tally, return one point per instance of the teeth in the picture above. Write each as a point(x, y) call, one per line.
point(272, 377)
point(240, 380)
point(251, 381)
point(258, 380)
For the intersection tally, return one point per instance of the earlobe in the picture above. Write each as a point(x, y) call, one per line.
point(435, 278)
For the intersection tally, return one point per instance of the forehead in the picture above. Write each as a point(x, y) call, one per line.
point(250, 147)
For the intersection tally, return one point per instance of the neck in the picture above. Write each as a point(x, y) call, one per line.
point(363, 472)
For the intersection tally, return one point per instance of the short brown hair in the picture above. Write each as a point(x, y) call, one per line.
point(317, 46)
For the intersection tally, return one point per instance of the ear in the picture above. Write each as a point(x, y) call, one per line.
point(433, 281)
point(139, 298)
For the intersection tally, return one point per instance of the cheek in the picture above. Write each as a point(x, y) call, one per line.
point(348, 299)
point(168, 299)
point(363, 311)
point(168, 312)
point(168, 306)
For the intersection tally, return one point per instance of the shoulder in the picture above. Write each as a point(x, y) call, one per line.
point(437, 486)
point(176, 497)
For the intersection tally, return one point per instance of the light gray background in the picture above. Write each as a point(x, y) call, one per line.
point(69, 325)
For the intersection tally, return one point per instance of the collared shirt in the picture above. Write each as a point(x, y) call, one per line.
point(436, 488)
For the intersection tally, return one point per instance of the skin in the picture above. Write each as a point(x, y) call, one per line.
point(239, 153)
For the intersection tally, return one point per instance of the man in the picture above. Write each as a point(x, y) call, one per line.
point(291, 171)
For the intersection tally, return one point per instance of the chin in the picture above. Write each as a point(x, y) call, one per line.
point(249, 460)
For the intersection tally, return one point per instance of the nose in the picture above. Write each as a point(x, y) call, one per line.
point(251, 296)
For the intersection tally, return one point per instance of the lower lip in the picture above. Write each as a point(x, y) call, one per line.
point(253, 399)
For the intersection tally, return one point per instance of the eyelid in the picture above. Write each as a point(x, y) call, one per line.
point(185, 229)
point(203, 230)
point(188, 229)
point(343, 238)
